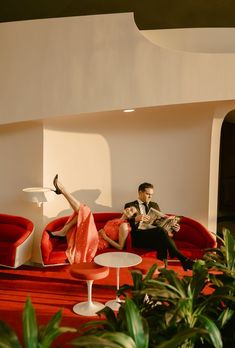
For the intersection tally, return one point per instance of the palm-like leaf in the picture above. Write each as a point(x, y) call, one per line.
point(8, 338)
point(223, 258)
point(131, 329)
point(30, 326)
point(135, 326)
point(213, 331)
point(96, 326)
point(200, 278)
point(48, 333)
point(225, 316)
point(229, 245)
point(151, 271)
point(107, 340)
point(171, 278)
point(181, 337)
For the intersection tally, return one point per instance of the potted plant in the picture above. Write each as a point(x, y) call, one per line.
point(34, 336)
point(174, 311)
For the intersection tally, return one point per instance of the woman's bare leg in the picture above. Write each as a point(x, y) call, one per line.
point(75, 204)
point(66, 228)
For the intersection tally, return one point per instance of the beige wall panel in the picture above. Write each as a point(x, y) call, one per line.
point(66, 66)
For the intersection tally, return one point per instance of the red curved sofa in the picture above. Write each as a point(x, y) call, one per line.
point(16, 240)
point(192, 239)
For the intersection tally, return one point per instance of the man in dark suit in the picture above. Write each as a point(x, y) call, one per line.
point(156, 238)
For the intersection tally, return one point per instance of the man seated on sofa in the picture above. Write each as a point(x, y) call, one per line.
point(156, 237)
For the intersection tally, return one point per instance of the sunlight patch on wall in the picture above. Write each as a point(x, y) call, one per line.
point(82, 161)
point(201, 40)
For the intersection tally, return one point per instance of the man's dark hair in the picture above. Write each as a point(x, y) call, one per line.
point(145, 186)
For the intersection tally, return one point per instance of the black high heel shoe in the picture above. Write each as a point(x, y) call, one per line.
point(51, 235)
point(57, 190)
point(187, 264)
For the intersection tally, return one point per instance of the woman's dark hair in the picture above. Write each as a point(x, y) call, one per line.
point(145, 186)
point(134, 215)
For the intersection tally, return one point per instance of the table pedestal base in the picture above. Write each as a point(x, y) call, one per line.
point(88, 308)
point(114, 304)
point(117, 260)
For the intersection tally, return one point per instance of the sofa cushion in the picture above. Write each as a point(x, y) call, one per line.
point(7, 253)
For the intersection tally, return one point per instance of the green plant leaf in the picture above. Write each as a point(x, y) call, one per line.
point(174, 281)
point(49, 338)
point(8, 338)
point(54, 322)
point(199, 278)
point(48, 333)
point(159, 288)
point(111, 318)
point(135, 325)
point(46, 339)
point(120, 338)
point(225, 316)
point(182, 336)
point(94, 327)
point(229, 245)
point(30, 326)
point(108, 341)
point(137, 278)
point(111, 323)
point(151, 271)
point(212, 329)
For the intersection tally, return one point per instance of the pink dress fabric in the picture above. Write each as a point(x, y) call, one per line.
point(111, 229)
point(83, 239)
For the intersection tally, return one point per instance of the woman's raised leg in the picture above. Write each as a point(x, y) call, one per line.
point(74, 203)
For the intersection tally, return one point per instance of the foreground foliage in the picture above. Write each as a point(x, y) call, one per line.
point(163, 311)
point(34, 336)
point(173, 311)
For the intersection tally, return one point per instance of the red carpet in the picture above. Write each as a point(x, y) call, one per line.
point(51, 289)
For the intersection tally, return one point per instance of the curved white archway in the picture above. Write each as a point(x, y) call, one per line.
point(218, 119)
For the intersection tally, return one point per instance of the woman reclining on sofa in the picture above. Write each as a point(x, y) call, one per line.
point(80, 230)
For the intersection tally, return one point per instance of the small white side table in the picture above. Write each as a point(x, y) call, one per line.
point(117, 260)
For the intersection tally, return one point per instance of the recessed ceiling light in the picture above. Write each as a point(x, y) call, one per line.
point(128, 110)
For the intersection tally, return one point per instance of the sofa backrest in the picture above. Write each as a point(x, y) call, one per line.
point(13, 227)
point(193, 231)
point(101, 218)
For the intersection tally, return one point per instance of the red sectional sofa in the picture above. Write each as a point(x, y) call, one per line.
point(16, 240)
point(192, 240)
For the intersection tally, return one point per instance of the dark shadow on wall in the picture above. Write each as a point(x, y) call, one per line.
point(88, 197)
point(226, 191)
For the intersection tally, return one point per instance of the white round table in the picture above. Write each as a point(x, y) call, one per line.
point(117, 260)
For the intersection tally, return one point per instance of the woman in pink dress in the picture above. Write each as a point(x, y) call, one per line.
point(80, 230)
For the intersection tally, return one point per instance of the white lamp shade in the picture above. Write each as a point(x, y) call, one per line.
point(38, 195)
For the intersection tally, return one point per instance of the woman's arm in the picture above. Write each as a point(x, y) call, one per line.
point(123, 233)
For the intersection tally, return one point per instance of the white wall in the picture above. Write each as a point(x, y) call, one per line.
point(103, 157)
point(21, 150)
point(67, 66)
point(21, 154)
point(81, 67)
point(110, 155)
